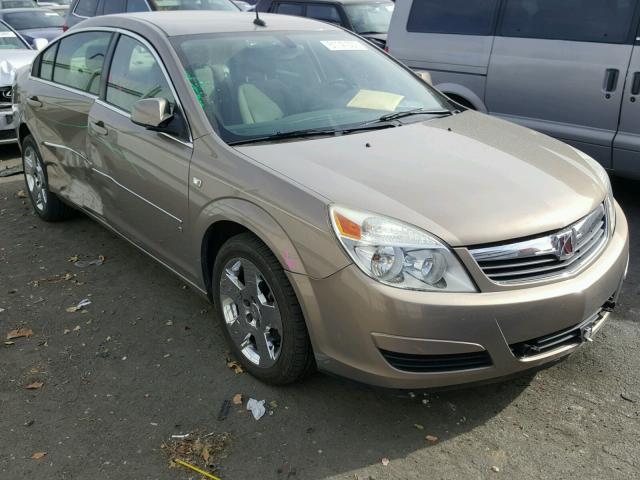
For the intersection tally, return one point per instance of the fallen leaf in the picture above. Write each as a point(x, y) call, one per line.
point(39, 455)
point(237, 399)
point(34, 386)
point(19, 333)
point(76, 328)
point(73, 258)
point(273, 404)
point(66, 330)
point(495, 469)
point(418, 426)
point(21, 194)
point(8, 344)
point(431, 439)
point(235, 366)
point(80, 306)
point(385, 461)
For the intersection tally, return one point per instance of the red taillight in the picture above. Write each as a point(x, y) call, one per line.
point(65, 27)
point(386, 49)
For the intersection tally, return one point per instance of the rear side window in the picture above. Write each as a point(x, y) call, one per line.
point(326, 13)
point(86, 8)
point(577, 20)
point(18, 4)
point(80, 61)
point(135, 74)
point(113, 6)
point(46, 64)
point(463, 17)
point(290, 9)
point(137, 6)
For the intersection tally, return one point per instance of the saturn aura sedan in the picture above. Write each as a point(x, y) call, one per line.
point(338, 211)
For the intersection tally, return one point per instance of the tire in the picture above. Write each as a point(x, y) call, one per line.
point(45, 203)
point(248, 312)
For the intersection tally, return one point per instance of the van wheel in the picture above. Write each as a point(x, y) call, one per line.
point(46, 204)
point(259, 312)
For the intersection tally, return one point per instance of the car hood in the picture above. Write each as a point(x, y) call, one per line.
point(469, 178)
point(12, 60)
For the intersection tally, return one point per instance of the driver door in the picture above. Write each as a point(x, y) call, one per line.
point(143, 173)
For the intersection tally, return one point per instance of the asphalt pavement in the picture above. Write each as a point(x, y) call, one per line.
point(111, 383)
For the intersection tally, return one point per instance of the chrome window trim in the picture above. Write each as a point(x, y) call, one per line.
point(64, 87)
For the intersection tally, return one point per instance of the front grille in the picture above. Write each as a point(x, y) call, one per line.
point(6, 96)
point(437, 363)
point(546, 256)
point(567, 337)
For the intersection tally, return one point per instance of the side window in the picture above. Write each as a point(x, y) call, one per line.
point(290, 9)
point(463, 17)
point(135, 74)
point(86, 8)
point(80, 61)
point(577, 20)
point(113, 6)
point(326, 13)
point(46, 63)
point(137, 6)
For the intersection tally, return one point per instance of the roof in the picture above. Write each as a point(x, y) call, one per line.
point(175, 23)
point(26, 9)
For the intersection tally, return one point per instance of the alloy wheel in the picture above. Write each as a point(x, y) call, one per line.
point(36, 180)
point(251, 313)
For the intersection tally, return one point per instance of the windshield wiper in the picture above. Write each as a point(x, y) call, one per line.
point(416, 111)
point(313, 132)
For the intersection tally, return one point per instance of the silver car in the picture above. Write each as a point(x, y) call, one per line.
point(569, 68)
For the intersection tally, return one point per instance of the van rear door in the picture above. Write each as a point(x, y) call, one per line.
point(560, 67)
point(626, 147)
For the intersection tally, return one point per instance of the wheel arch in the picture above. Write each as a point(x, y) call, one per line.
point(463, 95)
point(228, 217)
point(23, 131)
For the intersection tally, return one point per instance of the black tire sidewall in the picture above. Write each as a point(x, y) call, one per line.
point(274, 277)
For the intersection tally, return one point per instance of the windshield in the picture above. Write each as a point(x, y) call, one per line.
point(253, 85)
point(9, 40)
point(194, 5)
point(373, 17)
point(33, 19)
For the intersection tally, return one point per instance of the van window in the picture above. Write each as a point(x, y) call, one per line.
point(86, 8)
point(463, 17)
point(326, 13)
point(80, 60)
point(577, 20)
point(137, 6)
point(290, 9)
point(113, 6)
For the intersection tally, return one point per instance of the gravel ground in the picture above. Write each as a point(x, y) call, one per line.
point(146, 361)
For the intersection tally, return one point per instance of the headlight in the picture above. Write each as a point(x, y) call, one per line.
point(603, 176)
point(398, 254)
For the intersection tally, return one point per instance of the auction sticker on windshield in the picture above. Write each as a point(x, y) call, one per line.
point(7, 34)
point(375, 100)
point(343, 45)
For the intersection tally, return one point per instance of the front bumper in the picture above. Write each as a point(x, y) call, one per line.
point(8, 126)
point(359, 327)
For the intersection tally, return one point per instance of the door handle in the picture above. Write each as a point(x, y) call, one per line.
point(34, 102)
point(635, 84)
point(611, 80)
point(99, 128)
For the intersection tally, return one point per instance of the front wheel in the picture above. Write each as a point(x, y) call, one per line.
point(260, 313)
point(46, 204)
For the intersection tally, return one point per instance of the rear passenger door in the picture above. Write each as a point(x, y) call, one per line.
point(626, 147)
point(66, 84)
point(559, 67)
point(143, 174)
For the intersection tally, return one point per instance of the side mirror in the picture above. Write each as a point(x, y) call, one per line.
point(425, 76)
point(151, 113)
point(40, 43)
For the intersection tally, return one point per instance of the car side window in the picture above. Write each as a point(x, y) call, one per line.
point(113, 6)
point(324, 12)
point(137, 6)
point(46, 63)
point(135, 74)
point(463, 17)
point(573, 20)
point(86, 8)
point(290, 9)
point(80, 60)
